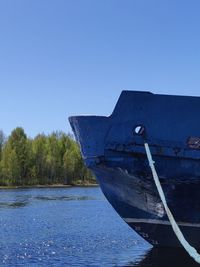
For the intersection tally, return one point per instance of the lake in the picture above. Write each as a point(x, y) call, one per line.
point(72, 227)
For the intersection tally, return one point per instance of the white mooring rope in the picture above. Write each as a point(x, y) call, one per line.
point(191, 251)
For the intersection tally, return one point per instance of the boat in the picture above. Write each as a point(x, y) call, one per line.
point(113, 149)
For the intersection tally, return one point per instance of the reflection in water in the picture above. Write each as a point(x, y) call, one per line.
point(66, 198)
point(162, 257)
point(13, 204)
point(25, 200)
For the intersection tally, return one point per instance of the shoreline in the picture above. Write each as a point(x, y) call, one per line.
point(47, 186)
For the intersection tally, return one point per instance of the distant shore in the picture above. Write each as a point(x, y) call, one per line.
point(49, 186)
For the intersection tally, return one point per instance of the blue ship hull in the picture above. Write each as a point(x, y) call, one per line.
point(115, 153)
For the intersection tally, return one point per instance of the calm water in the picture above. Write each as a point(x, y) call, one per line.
point(72, 227)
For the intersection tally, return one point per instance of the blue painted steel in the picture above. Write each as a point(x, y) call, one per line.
point(116, 155)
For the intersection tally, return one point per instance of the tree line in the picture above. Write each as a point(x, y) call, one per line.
point(43, 160)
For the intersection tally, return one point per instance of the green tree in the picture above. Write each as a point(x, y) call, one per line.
point(38, 170)
point(2, 140)
point(9, 166)
point(54, 158)
point(18, 144)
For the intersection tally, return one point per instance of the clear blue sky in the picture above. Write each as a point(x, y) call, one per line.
point(65, 57)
